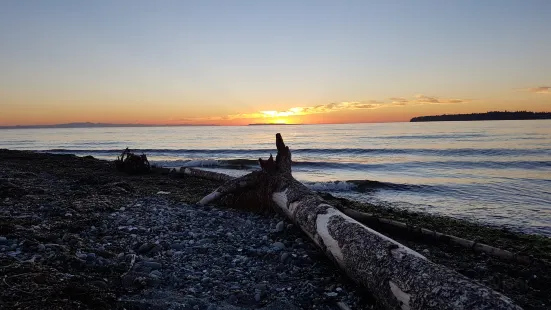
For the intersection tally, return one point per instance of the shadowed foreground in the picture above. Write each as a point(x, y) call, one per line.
point(70, 227)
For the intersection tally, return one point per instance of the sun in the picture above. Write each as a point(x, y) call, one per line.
point(280, 121)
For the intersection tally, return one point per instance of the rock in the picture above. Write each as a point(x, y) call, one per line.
point(40, 247)
point(3, 240)
point(91, 257)
point(278, 246)
point(99, 283)
point(280, 304)
point(332, 294)
point(280, 226)
point(156, 249)
point(284, 257)
point(155, 274)
point(426, 251)
point(146, 247)
point(178, 246)
point(257, 297)
point(153, 265)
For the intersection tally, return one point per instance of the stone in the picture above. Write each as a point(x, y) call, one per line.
point(153, 265)
point(261, 287)
point(146, 247)
point(284, 257)
point(91, 256)
point(3, 240)
point(278, 246)
point(280, 226)
point(41, 247)
point(155, 274)
point(178, 246)
point(99, 283)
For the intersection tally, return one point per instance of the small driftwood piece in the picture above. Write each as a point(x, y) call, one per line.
point(203, 174)
point(395, 275)
point(131, 163)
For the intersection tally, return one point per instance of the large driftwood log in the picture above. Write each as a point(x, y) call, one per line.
point(398, 277)
point(371, 220)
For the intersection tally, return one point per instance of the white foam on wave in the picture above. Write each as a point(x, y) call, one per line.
point(201, 163)
point(186, 163)
point(337, 186)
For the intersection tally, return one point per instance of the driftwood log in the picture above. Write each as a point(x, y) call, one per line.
point(390, 225)
point(396, 276)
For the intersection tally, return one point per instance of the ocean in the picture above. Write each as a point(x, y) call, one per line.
point(494, 172)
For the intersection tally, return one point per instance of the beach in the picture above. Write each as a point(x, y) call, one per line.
point(74, 232)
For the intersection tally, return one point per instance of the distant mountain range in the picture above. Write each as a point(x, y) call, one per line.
point(264, 124)
point(91, 125)
point(488, 116)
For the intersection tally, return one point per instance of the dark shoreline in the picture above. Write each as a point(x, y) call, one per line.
point(488, 116)
point(26, 183)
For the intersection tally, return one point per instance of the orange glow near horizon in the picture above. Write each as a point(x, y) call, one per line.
point(394, 109)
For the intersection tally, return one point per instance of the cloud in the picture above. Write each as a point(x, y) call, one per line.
point(338, 106)
point(540, 90)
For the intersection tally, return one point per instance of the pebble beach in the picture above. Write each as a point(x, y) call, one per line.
point(77, 234)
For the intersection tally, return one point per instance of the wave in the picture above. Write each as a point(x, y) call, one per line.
point(247, 163)
point(314, 151)
point(363, 186)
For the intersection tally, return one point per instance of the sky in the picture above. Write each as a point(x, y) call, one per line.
point(239, 62)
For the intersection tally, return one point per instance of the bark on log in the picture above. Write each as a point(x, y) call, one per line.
point(398, 277)
point(477, 247)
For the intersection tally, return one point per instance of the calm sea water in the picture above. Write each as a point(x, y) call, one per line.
point(496, 172)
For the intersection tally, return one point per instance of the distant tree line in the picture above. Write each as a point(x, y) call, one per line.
point(488, 116)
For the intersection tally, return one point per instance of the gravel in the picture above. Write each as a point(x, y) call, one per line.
point(231, 259)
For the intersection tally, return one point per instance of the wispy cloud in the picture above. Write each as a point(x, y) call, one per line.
point(423, 99)
point(339, 106)
point(539, 90)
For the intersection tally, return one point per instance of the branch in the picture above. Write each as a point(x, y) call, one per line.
point(229, 187)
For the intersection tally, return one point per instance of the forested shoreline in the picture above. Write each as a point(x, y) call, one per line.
point(488, 116)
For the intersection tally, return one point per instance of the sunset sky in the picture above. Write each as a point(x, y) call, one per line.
point(240, 62)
